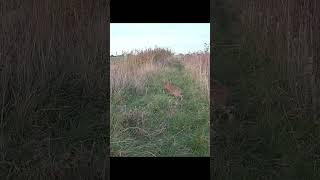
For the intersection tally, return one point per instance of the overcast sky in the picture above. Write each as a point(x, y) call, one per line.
point(179, 37)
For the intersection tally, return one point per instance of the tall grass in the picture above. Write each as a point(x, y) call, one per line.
point(199, 66)
point(147, 121)
point(287, 32)
point(135, 67)
point(273, 135)
point(53, 84)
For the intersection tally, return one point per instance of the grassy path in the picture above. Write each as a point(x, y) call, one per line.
point(153, 123)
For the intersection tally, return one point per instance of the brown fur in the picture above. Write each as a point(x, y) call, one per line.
point(171, 89)
point(221, 94)
point(221, 98)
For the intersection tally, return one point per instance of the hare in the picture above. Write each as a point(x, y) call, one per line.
point(221, 94)
point(171, 89)
point(221, 99)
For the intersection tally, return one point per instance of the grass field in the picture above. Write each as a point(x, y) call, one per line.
point(146, 121)
point(53, 90)
point(273, 135)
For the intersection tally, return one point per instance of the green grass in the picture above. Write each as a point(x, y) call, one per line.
point(154, 123)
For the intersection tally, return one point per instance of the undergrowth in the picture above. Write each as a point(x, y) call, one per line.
point(150, 122)
point(273, 135)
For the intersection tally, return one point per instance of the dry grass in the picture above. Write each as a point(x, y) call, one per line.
point(135, 68)
point(145, 119)
point(53, 84)
point(271, 78)
point(287, 31)
point(199, 66)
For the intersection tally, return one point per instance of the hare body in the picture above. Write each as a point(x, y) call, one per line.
point(221, 94)
point(221, 99)
point(171, 89)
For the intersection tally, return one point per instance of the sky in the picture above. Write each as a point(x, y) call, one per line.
point(179, 37)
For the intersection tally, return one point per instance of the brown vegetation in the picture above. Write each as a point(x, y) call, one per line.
point(135, 67)
point(199, 66)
